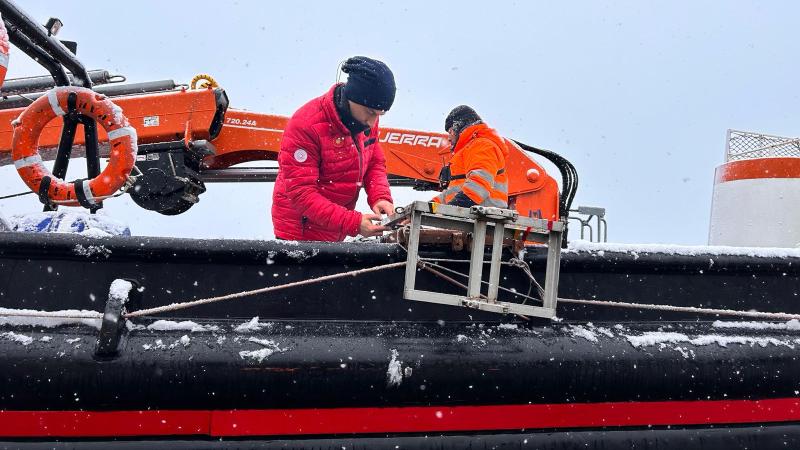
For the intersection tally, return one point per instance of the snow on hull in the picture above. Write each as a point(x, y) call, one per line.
point(49, 319)
point(684, 250)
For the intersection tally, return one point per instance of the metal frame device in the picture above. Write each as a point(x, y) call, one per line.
point(480, 220)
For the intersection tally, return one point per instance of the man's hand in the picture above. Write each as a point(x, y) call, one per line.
point(368, 228)
point(383, 207)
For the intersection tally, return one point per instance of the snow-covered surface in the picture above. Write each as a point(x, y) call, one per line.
point(605, 332)
point(91, 250)
point(69, 220)
point(120, 289)
point(297, 255)
point(49, 319)
point(185, 340)
point(185, 325)
point(394, 374)
point(270, 347)
point(158, 345)
point(688, 250)
point(581, 332)
point(793, 325)
point(16, 337)
point(663, 338)
point(252, 325)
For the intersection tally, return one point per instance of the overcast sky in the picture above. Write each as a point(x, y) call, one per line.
point(638, 95)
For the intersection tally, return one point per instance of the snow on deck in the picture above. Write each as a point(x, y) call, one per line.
point(252, 325)
point(663, 339)
point(270, 347)
point(792, 325)
point(580, 331)
point(185, 325)
point(685, 250)
point(16, 337)
point(49, 319)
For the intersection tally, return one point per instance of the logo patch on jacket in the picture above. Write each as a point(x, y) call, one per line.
point(338, 141)
point(300, 155)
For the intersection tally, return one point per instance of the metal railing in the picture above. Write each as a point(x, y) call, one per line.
point(742, 145)
point(585, 216)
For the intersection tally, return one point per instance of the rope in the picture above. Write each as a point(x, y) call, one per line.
point(444, 277)
point(61, 202)
point(515, 262)
point(184, 305)
point(463, 275)
point(208, 82)
point(122, 190)
point(427, 267)
point(526, 269)
point(16, 195)
point(424, 263)
point(689, 309)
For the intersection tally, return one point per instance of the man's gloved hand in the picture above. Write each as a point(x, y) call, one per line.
point(421, 185)
point(461, 200)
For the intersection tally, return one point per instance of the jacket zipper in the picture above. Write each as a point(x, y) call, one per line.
point(360, 161)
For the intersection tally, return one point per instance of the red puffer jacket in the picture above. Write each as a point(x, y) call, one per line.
point(321, 171)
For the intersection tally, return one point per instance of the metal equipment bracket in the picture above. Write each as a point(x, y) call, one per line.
point(502, 223)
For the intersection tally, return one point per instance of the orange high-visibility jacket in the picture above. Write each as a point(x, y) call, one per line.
point(477, 168)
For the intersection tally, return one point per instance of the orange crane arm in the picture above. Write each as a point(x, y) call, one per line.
point(237, 136)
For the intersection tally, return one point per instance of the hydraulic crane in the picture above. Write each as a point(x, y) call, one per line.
point(188, 136)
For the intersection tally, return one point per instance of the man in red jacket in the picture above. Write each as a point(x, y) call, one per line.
point(329, 151)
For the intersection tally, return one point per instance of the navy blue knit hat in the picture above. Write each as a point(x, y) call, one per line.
point(369, 83)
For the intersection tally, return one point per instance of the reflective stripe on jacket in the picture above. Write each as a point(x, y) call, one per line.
point(477, 168)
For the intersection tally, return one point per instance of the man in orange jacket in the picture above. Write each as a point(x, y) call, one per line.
point(476, 173)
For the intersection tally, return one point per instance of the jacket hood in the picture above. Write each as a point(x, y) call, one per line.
point(478, 131)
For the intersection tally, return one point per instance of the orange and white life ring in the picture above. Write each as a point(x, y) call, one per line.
point(121, 137)
point(5, 46)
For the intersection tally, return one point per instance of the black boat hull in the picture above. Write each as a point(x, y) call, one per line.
point(354, 380)
point(350, 363)
point(53, 272)
point(655, 438)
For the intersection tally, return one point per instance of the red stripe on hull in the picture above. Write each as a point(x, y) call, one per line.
point(287, 422)
point(103, 423)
